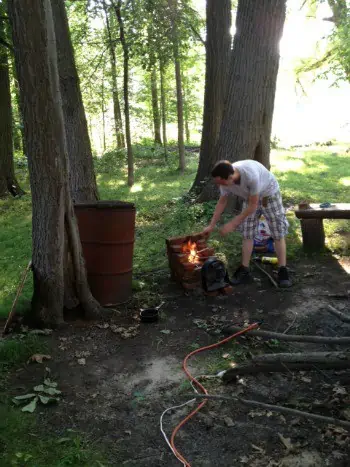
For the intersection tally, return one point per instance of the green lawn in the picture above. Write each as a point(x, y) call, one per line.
point(317, 176)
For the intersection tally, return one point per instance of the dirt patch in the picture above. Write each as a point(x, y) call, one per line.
point(115, 389)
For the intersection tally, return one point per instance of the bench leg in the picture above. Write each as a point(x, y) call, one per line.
point(313, 234)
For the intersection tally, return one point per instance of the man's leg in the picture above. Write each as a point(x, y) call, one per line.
point(247, 250)
point(281, 251)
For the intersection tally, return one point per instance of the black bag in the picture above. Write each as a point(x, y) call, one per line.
point(214, 275)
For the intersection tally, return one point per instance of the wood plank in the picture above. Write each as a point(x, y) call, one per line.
point(335, 211)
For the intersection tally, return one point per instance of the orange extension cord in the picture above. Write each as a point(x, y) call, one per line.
point(200, 386)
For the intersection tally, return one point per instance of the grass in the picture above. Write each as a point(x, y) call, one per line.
point(315, 175)
point(22, 442)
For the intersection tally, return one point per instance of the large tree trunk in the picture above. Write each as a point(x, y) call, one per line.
point(118, 122)
point(81, 174)
point(54, 224)
point(155, 108)
point(163, 107)
point(218, 50)
point(125, 46)
point(179, 97)
point(246, 125)
point(8, 182)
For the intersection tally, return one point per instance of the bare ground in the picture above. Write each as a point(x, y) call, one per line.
point(116, 388)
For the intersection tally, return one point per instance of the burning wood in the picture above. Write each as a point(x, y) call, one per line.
point(190, 248)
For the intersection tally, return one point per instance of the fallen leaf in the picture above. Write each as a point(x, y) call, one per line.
point(81, 361)
point(226, 355)
point(346, 413)
point(39, 388)
point(47, 400)
point(50, 383)
point(261, 450)
point(103, 326)
point(244, 460)
point(286, 442)
point(229, 421)
point(340, 390)
point(18, 400)
point(41, 332)
point(52, 391)
point(39, 358)
point(127, 432)
point(305, 379)
point(31, 406)
point(165, 331)
point(82, 354)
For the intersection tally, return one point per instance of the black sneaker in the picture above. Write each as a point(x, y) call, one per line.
point(242, 276)
point(283, 278)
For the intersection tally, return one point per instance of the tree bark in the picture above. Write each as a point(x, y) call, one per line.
point(179, 97)
point(186, 112)
point(81, 168)
point(218, 50)
point(8, 182)
point(117, 8)
point(163, 108)
point(54, 224)
point(118, 121)
point(245, 131)
point(155, 108)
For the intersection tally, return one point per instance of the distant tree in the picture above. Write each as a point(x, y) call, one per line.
point(8, 181)
point(58, 264)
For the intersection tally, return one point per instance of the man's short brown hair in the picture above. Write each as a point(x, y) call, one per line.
point(222, 169)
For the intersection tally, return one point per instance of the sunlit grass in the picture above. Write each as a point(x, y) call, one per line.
point(313, 175)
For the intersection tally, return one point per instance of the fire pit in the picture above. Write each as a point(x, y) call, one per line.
point(187, 256)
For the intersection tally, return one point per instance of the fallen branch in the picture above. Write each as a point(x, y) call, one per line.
point(279, 409)
point(291, 337)
point(342, 316)
point(310, 357)
point(272, 280)
point(19, 291)
point(282, 367)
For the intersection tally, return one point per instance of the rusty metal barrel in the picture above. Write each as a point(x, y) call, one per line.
point(107, 231)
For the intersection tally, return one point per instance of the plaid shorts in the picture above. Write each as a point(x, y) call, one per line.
point(274, 214)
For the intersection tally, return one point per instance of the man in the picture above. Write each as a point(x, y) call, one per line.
point(260, 191)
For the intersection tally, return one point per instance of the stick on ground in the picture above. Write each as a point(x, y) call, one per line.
point(290, 337)
point(342, 316)
point(279, 409)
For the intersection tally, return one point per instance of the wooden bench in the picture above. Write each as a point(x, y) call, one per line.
point(311, 219)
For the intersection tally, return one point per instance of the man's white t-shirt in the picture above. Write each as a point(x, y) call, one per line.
point(255, 180)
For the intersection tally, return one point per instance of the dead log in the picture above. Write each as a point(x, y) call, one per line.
point(307, 357)
point(279, 409)
point(342, 316)
point(290, 337)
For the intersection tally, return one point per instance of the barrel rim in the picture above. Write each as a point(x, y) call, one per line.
point(106, 204)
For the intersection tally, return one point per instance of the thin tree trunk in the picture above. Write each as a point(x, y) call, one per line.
point(125, 46)
point(81, 172)
point(246, 127)
point(155, 108)
point(54, 224)
point(218, 52)
point(163, 108)
point(103, 110)
point(8, 182)
point(179, 97)
point(118, 122)
point(186, 111)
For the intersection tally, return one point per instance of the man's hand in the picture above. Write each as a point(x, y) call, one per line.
point(208, 230)
point(229, 227)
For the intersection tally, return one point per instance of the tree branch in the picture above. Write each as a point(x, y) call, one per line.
point(342, 316)
point(278, 408)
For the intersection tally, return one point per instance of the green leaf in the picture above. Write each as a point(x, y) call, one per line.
point(24, 397)
point(50, 383)
point(52, 391)
point(47, 400)
point(39, 388)
point(31, 406)
point(64, 440)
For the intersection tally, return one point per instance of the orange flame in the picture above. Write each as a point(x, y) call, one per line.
point(191, 249)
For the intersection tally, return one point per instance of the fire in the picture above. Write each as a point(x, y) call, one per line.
point(191, 249)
